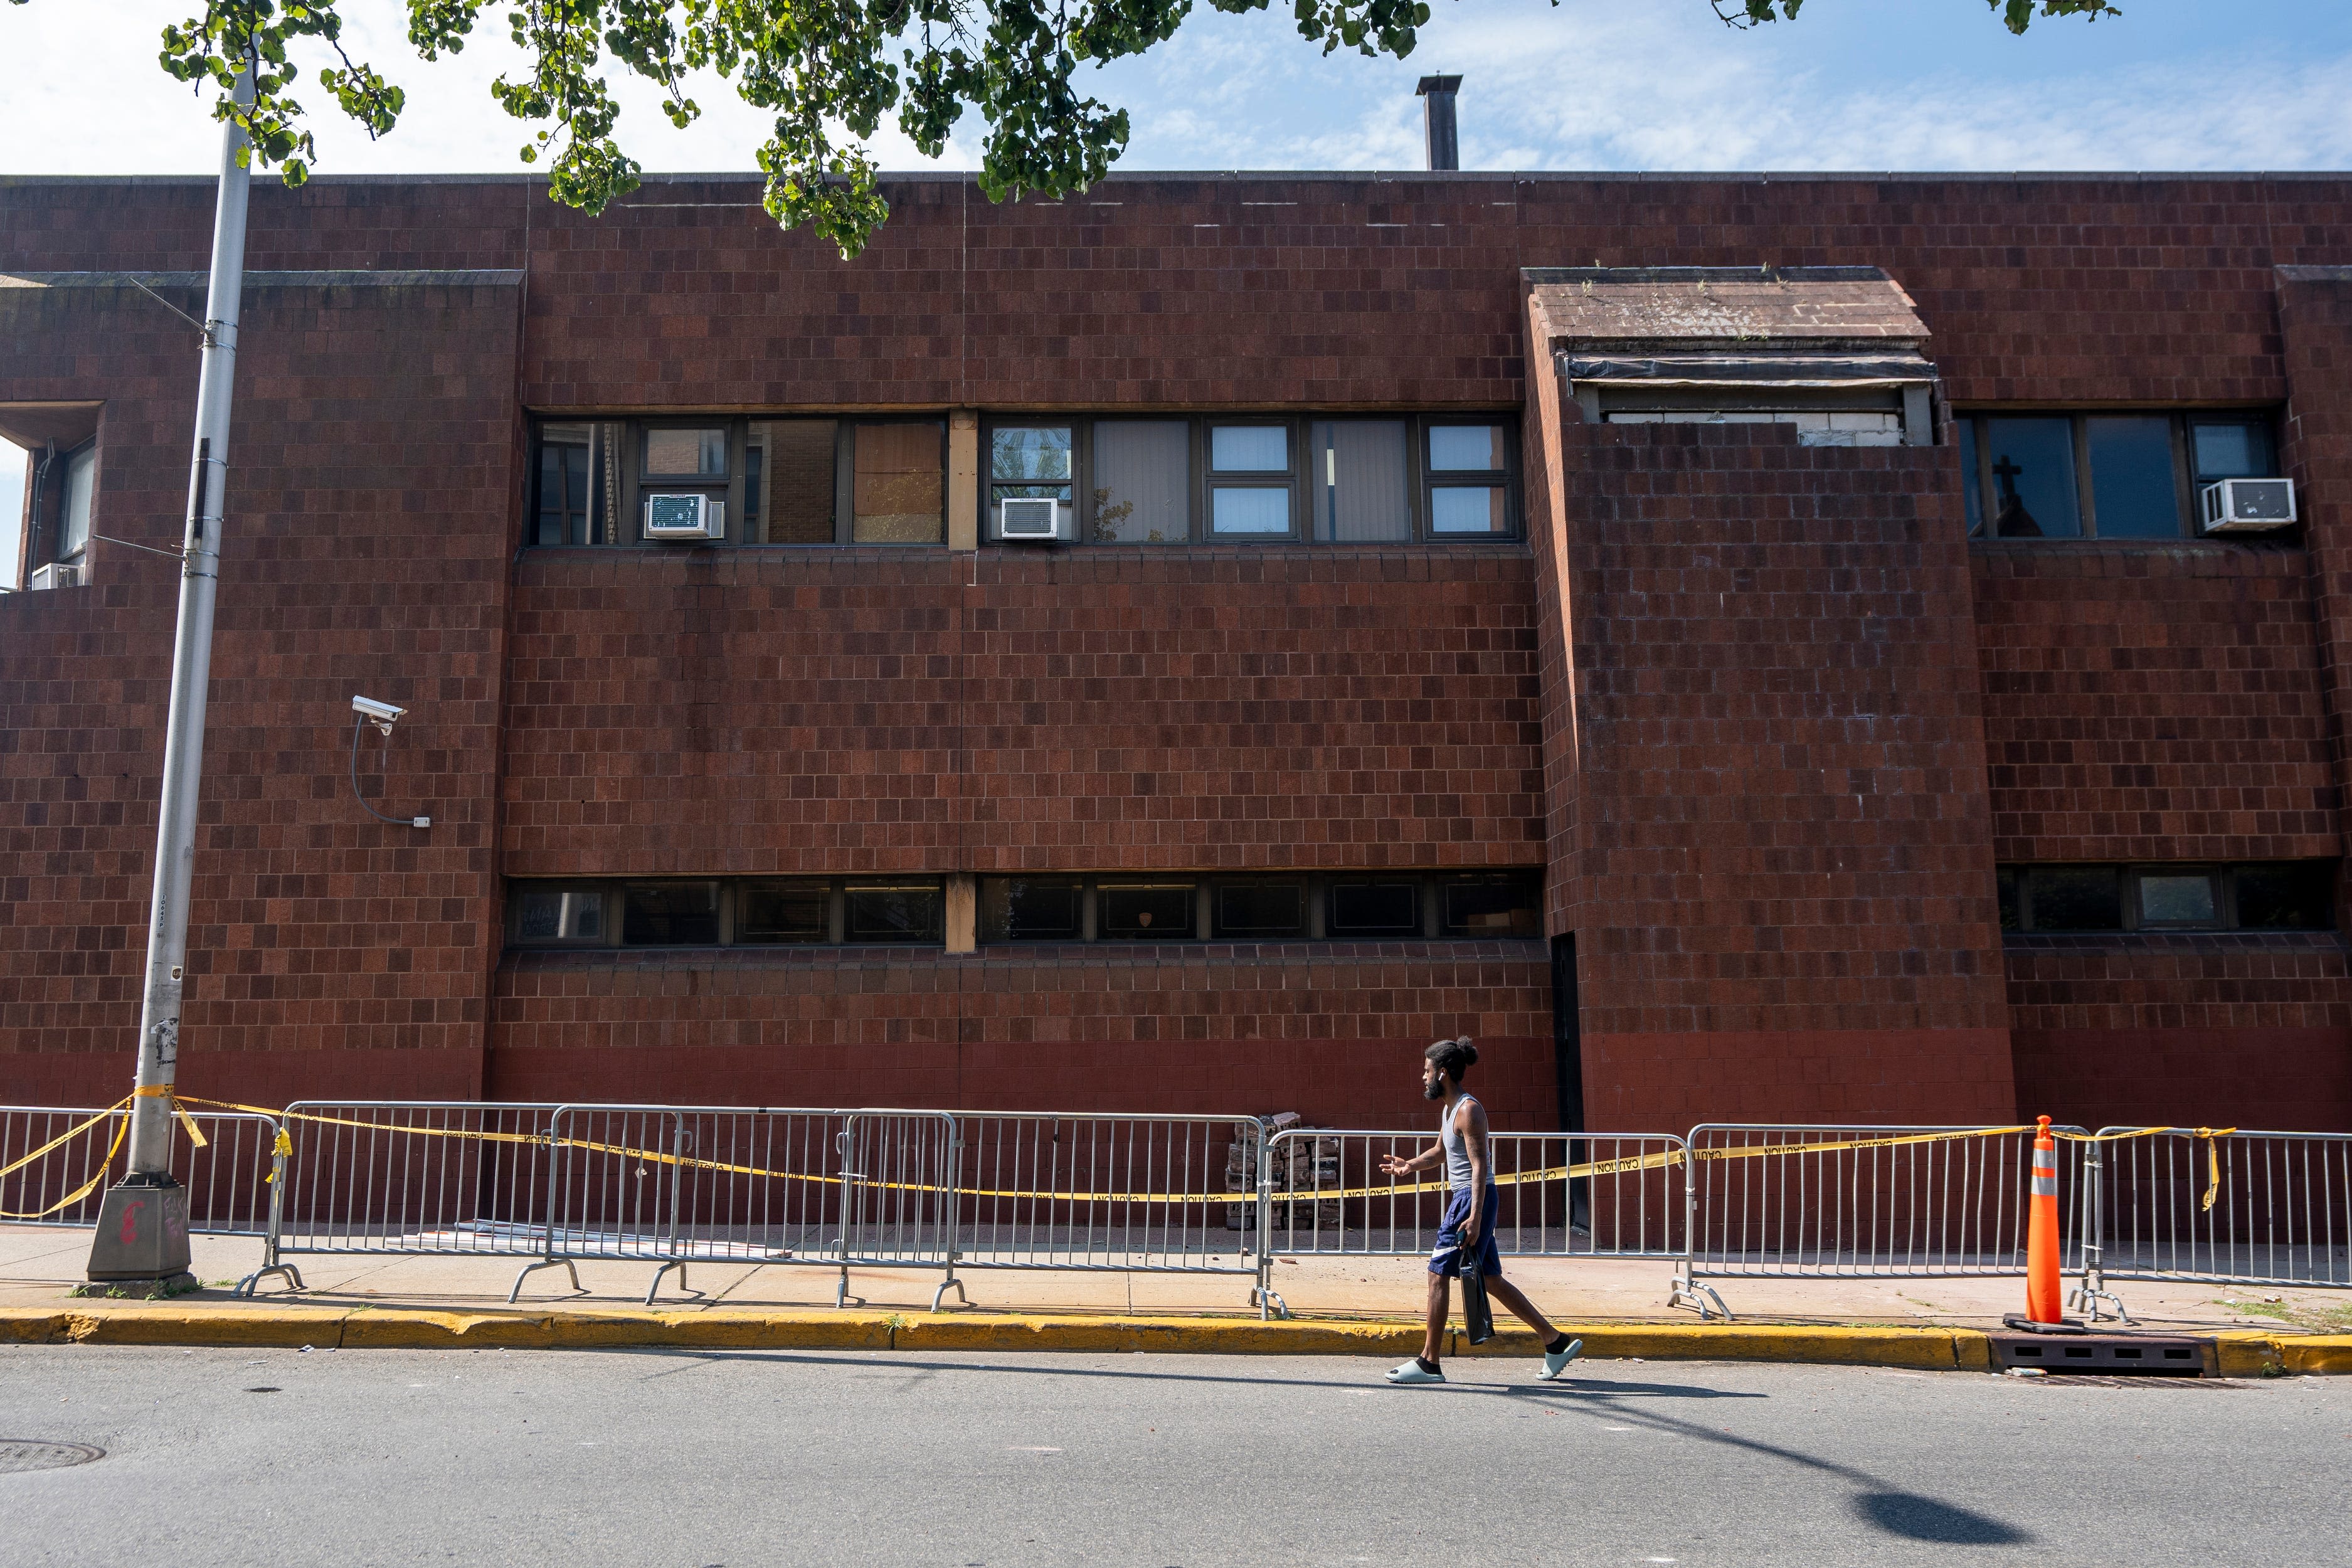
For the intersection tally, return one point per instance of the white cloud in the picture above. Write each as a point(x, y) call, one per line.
point(1887, 84)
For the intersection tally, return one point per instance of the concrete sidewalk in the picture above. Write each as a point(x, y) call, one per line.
point(1348, 1305)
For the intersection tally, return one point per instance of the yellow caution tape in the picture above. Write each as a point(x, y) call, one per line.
point(83, 1190)
point(1662, 1160)
point(163, 1091)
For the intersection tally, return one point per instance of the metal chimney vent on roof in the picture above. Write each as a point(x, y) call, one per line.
point(1436, 95)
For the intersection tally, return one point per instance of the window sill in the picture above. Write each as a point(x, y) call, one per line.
point(2288, 538)
point(2181, 942)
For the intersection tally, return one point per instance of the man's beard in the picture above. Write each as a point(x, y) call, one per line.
point(1433, 1089)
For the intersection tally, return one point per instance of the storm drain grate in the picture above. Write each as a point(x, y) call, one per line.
point(21, 1454)
point(2126, 1355)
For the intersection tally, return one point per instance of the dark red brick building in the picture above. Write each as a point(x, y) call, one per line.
point(1740, 648)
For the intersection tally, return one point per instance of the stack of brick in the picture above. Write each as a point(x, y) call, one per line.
point(1300, 1165)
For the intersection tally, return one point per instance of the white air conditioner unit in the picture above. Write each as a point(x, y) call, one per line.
point(58, 574)
point(1037, 520)
point(685, 517)
point(2247, 506)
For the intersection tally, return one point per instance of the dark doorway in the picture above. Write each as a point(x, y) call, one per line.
point(1567, 1070)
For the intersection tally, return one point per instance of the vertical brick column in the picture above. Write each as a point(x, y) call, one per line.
point(1774, 845)
point(2316, 332)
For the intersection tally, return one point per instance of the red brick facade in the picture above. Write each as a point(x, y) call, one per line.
point(1763, 714)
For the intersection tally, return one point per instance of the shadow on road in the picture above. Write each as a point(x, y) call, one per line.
point(1910, 1515)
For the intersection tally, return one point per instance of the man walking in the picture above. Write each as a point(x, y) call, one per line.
point(1471, 1201)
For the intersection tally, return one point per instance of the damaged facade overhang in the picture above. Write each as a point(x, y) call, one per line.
point(1736, 343)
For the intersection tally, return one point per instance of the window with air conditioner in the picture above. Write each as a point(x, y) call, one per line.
point(50, 480)
point(1033, 482)
point(2123, 474)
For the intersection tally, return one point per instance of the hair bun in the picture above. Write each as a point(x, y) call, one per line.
point(1469, 1052)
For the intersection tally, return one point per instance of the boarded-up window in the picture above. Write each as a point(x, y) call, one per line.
point(796, 480)
point(896, 485)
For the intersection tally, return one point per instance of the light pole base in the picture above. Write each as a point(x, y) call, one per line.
point(142, 1232)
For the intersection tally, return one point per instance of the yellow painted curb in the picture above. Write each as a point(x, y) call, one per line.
point(1187, 1336)
point(2317, 1355)
point(2237, 1353)
point(30, 1326)
point(2246, 1352)
point(168, 1323)
point(1924, 1349)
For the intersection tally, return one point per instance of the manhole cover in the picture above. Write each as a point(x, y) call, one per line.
point(31, 1454)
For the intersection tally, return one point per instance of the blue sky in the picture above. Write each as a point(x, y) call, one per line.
point(1596, 84)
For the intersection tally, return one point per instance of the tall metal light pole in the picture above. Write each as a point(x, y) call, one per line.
point(142, 1230)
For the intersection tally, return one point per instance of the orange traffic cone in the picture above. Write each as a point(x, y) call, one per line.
point(2043, 1303)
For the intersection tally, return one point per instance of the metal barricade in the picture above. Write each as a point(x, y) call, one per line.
point(1130, 1193)
point(57, 1176)
point(1593, 1195)
point(2281, 1209)
point(1814, 1200)
point(411, 1178)
point(679, 1185)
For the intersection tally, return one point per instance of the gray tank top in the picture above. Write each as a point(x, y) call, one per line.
point(1457, 1147)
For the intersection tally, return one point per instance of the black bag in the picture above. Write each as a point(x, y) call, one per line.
point(1477, 1316)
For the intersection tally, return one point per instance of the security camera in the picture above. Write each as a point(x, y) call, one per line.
point(384, 714)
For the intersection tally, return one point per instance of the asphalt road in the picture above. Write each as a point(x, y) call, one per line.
point(653, 1458)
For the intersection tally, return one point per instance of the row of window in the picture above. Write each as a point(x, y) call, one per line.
point(1260, 909)
point(2273, 895)
point(776, 911)
point(1111, 481)
point(2104, 476)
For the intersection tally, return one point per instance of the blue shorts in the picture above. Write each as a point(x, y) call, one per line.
point(1448, 1257)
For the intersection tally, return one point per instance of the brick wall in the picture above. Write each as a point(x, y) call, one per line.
point(327, 952)
point(2151, 701)
point(1782, 870)
point(1692, 658)
point(2181, 1030)
point(1333, 1033)
point(857, 711)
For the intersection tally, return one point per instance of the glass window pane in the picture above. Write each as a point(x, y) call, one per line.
point(81, 476)
point(2178, 897)
point(562, 494)
point(1030, 454)
point(1262, 909)
point(2239, 451)
point(1155, 911)
point(2132, 491)
point(1465, 449)
point(896, 485)
point(2076, 898)
point(783, 912)
point(2033, 478)
point(1489, 906)
point(892, 912)
point(1250, 449)
point(1142, 476)
point(1375, 909)
point(1971, 482)
point(1469, 508)
point(795, 480)
point(699, 453)
point(2290, 895)
point(1256, 510)
point(1025, 909)
point(1358, 475)
point(671, 914)
point(2005, 895)
point(561, 914)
